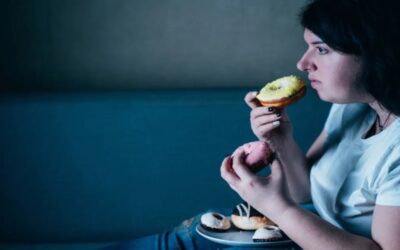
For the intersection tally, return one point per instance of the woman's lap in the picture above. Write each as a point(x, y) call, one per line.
point(182, 237)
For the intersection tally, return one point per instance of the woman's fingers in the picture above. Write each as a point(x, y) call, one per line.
point(227, 172)
point(251, 100)
point(263, 111)
point(239, 165)
point(266, 128)
point(271, 120)
point(276, 169)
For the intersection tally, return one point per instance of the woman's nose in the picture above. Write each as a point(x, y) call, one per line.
point(305, 64)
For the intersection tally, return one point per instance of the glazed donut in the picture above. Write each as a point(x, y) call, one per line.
point(246, 217)
point(258, 155)
point(215, 222)
point(282, 92)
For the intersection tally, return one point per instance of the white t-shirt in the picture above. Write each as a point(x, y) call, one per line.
point(355, 174)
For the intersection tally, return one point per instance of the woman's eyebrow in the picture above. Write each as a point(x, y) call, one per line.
point(317, 42)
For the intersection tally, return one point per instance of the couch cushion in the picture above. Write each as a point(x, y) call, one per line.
point(95, 166)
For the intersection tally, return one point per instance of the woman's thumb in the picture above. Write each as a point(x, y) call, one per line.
point(276, 169)
point(251, 100)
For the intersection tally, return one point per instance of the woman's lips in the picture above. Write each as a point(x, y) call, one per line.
point(314, 82)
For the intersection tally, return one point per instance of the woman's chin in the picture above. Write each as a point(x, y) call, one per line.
point(325, 97)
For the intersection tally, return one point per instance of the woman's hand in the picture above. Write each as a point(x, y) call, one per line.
point(268, 194)
point(268, 124)
point(276, 130)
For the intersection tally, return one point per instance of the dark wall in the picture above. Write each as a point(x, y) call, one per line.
point(112, 44)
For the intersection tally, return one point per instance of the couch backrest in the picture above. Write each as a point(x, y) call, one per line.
point(114, 165)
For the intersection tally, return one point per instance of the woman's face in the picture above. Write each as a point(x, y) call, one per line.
point(332, 74)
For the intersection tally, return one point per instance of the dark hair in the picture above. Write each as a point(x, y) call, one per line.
point(368, 29)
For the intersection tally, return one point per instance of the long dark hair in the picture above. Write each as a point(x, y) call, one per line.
point(368, 29)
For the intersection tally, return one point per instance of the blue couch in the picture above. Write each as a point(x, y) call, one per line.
point(80, 170)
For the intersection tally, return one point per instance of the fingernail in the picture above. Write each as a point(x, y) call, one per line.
point(278, 114)
point(276, 123)
point(270, 109)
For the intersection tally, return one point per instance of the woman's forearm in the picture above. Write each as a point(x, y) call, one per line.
point(296, 170)
point(311, 232)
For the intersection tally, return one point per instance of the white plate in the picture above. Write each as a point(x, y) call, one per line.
point(234, 237)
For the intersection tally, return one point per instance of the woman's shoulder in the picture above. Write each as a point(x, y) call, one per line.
point(393, 134)
point(349, 109)
point(341, 115)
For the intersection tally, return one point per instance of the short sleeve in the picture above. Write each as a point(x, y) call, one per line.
point(388, 192)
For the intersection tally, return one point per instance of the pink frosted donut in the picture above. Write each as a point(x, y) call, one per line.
point(258, 154)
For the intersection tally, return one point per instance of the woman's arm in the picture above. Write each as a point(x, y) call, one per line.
point(315, 232)
point(311, 232)
point(386, 226)
point(297, 166)
point(274, 127)
point(270, 196)
point(317, 148)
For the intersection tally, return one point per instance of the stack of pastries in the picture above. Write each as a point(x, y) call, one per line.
point(246, 218)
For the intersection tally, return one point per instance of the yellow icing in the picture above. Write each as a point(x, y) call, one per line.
point(280, 88)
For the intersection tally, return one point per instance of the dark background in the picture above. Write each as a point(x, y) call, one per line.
point(125, 44)
point(116, 114)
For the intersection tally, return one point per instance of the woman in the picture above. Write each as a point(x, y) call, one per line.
point(352, 170)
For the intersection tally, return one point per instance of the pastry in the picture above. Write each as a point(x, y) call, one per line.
point(258, 155)
point(215, 221)
point(282, 92)
point(267, 233)
point(246, 217)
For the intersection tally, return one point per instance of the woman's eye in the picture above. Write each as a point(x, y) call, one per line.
point(322, 51)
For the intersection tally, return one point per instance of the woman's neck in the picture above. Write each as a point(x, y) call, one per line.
point(384, 117)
